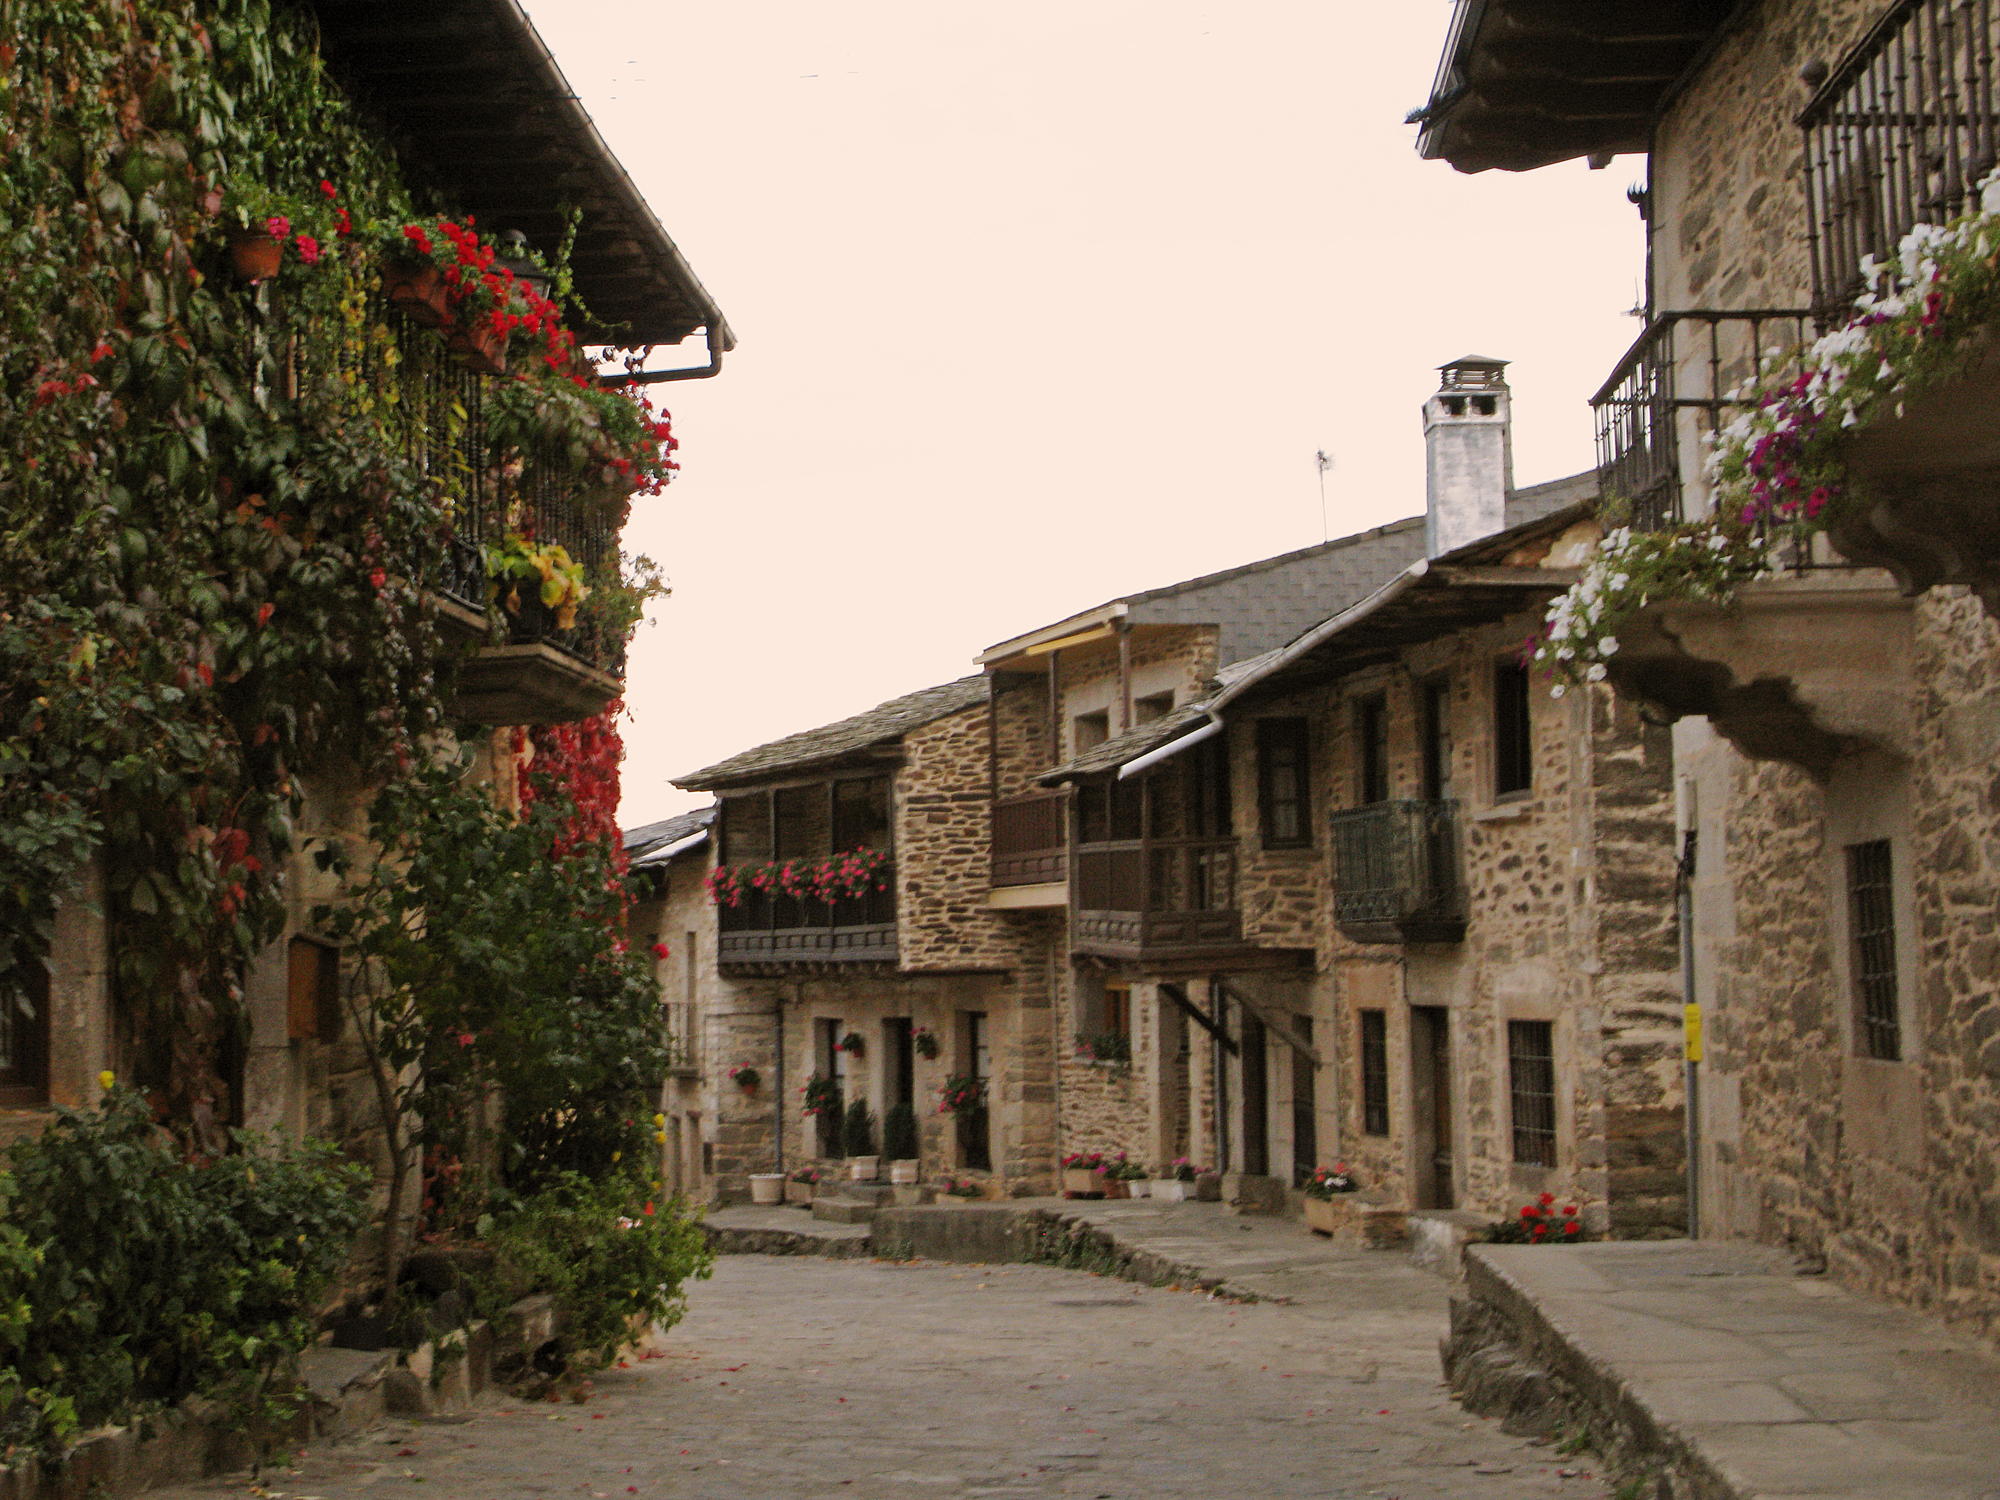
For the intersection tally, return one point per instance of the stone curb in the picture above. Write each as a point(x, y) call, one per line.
point(1507, 1357)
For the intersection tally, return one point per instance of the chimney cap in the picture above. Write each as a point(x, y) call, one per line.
point(1473, 370)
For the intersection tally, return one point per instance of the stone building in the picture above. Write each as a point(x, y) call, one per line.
point(882, 990)
point(294, 1064)
point(1835, 738)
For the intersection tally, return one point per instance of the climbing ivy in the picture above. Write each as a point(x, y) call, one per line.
point(217, 524)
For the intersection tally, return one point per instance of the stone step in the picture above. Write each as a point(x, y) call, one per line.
point(833, 1210)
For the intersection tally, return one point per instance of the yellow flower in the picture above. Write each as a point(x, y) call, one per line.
point(106, 1079)
point(659, 1119)
point(660, 1136)
point(615, 1155)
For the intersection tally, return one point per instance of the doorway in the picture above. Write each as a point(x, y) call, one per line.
point(1430, 1106)
point(1256, 1099)
point(975, 1144)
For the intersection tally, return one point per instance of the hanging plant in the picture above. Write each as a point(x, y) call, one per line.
point(962, 1094)
point(746, 1079)
point(852, 1044)
point(926, 1045)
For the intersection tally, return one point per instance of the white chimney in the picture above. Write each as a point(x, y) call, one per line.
point(1468, 453)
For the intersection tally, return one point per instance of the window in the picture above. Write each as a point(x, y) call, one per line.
point(1513, 738)
point(1435, 726)
point(1374, 1072)
point(1531, 1071)
point(1090, 730)
point(312, 991)
point(861, 814)
point(1871, 909)
point(1152, 706)
point(746, 829)
point(1283, 799)
point(799, 811)
point(24, 1032)
point(1116, 1016)
point(1371, 730)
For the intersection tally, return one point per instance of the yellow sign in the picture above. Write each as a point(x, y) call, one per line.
point(1692, 1032)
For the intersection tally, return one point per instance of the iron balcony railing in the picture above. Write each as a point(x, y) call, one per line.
point(441, 416)
point(776, 928)
point(1900, 134)
point(1679, 384)
point(1031, 839)
point(1396, 872)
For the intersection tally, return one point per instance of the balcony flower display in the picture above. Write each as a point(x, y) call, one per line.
point(1779, 470)
point(835, 878)
point(555, 576)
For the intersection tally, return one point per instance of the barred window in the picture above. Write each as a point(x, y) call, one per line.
point(1871, 908)
point(1531, 1068)
point(1374, 1072)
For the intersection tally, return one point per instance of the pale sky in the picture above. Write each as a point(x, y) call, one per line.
point(1043, 303)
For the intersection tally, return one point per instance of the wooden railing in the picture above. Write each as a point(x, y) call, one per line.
point(790, 929)
point(1144, 895)
point(1031, 839)
point(1900, 134)
point(1396, 872)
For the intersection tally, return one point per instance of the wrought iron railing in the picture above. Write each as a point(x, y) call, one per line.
point(1396, 871)
point(1900, 134)
point(1675, 388)
point(1031, 839)
point(439, 413)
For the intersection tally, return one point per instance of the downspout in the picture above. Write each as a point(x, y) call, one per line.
point(1218, 1002)
point(658, 377)
point(1684, 818)
point(778, 1073)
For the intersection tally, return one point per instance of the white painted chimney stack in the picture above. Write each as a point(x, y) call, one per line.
point(1468, 453)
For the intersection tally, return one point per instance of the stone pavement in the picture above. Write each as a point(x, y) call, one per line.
point(801, 1378)
point(1727, 1374)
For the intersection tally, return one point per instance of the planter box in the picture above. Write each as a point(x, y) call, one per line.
point(1081, 1184)
point(1358, 1221)
point(1115, 1187)
point(904, 1171)
point(863, 1168)
point(798, 1192)
point(1140, 1187)
point(767, 1187)
point(1172, 1190)
point(1208, 1187)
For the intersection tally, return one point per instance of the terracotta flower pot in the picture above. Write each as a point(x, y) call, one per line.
point(254, 255)
point(416, 288)
point(1081, 1183)
point(479, 347)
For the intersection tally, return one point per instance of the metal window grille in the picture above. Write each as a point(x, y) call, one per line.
point(1374, 1072)
point(1872, 915)
point(1531, 1069)
point(1900, 134)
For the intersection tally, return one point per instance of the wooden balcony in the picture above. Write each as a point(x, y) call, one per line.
point(1031, 850)
point(1156, 899)
point(1396, 874)
point(784, 934)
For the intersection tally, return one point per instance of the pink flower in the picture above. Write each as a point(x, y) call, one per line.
point(465, 1039)
point(279, 226)
point(308, 249)
point(659, 950)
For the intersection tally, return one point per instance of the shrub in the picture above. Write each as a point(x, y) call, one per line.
point(130, 1277)
point(899, 1133)
point(614, 1260)
point(859, 1131)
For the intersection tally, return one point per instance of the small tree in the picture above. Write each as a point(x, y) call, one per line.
point(899, 1133)
point(860, 1132)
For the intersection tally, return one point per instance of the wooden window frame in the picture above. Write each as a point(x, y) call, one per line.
point(1532, 1092)
point(1374, 1052)
point(1513, 730)
point(1284, 744)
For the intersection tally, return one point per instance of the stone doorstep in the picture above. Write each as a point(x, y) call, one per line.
point(348, 1391)
point(1548, 1342)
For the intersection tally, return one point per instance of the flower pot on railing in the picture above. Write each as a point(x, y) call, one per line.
point(416, 289)
point(480, 347)
point(254, 255)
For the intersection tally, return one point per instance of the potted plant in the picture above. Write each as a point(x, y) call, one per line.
point(853, 1044)
point(1539, 1223)
point(1326, 1184)
point(1113, 1048)
point(1080, 1177)
point(767, 1188)
point(555, 577)
point(821, 1096)
point(863, 1165)
point(746, 1079)
point(926, 1045)
point(1174, 1183)
point(965, 1187)
point(962, 1094)
point(1120, 1176)
point(899, 1143)
point(799, 1186)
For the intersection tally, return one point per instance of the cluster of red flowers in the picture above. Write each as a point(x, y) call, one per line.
point(507, 303)
point(835, 878)
point(582, 761)
point(1540, 1221)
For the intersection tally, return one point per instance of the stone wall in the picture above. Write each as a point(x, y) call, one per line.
point(1570, 902)
point(1282, 893)
point(1022, 744)
point(943, 850)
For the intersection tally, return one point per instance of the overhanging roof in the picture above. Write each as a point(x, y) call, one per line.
point(475, 103)
point(830, 744)
point(1526, 83)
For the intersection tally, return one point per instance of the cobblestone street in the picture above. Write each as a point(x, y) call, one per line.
point(800, 1378)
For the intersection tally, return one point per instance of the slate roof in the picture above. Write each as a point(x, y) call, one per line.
point(882, 725)
point(645, 844)
point(1134, 743)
